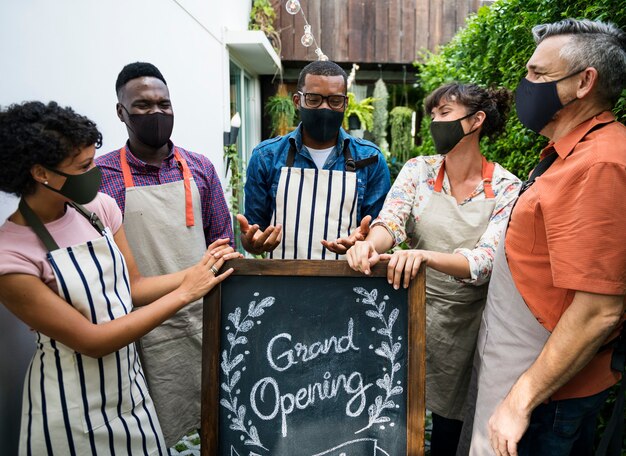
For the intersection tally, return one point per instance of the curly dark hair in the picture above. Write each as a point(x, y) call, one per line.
point(35, 133)
point(494, 102)
point(136, 70)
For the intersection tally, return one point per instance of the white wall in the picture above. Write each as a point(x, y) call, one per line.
point(71, 52)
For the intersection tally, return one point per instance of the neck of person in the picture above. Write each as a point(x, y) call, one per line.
point(46, 204)
point(313, 144)
point(464, 162)
point(570, 117)
point(151, 155)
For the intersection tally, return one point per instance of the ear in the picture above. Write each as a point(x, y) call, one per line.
point(39, 173)
point(119, 110)
point(479, 119)
point(296, 99)
point(587, 83)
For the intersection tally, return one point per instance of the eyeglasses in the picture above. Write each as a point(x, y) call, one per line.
point(315, 100)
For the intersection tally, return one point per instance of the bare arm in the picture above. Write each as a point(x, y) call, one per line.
point(145, 290)
point(38, 306)
point(582, 329)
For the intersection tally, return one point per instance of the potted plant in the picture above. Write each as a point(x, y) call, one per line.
point(361, 111)
point(281, 110)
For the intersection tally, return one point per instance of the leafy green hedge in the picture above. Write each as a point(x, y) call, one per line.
point(492, 50)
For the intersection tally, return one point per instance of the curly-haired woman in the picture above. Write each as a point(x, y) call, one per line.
point(67, 272)
point(451, 207)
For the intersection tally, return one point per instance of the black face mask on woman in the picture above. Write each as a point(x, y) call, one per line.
point(321, 124)
point(536, 103)
point(447, 134)
point(80, 188)
point(153, 130)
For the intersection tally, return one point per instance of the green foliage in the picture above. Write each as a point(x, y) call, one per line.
point(262, 17)
point(282, 113)
point(362, 109)
point(235, 185)
point(401, 139)
point(492, 50)
point(381, 99)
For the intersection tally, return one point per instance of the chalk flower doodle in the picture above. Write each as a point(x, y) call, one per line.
point(229, 364)
point(388, 350)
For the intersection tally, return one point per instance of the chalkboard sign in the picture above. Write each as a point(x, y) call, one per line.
point(309, 358)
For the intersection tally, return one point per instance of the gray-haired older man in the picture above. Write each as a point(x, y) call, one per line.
point(556, 299)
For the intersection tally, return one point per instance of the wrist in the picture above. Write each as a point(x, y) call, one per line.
point(522, 397)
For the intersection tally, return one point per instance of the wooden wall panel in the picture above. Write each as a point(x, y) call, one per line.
point(371, 31)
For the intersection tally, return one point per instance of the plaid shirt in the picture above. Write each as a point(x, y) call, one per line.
point(216, 218)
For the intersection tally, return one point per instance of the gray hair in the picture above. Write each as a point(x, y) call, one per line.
point(596, 44)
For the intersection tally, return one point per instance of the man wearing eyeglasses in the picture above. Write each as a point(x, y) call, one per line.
point(311, 193)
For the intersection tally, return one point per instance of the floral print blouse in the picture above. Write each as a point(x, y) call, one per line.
point(411, 193)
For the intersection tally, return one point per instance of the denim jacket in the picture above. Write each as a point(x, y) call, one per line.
point(263, 173)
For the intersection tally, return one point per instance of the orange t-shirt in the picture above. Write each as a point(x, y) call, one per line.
point(567, 233)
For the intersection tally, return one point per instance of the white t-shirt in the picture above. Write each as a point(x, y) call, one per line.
point(319, 156)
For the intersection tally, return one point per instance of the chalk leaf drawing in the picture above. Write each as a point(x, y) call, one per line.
point(388, 350)
point(230, 367)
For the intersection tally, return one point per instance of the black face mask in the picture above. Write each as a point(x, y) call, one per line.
point(536, 103)
point(321, 124)
point(80, 188)
point(447, 134)
point(153, 130)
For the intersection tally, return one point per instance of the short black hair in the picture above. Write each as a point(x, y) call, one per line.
point(137, 70)
point(35, 133)
point(322, 68)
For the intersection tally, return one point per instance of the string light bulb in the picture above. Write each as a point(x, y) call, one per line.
point(320, 55)
point(293, 6)
point(307, 39)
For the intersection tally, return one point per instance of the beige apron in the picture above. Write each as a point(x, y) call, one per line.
point(314, 204)
point(453, 308)
point(507, 327)
point(163, 224)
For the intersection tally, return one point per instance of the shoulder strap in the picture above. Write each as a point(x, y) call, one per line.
point(541, 168)
point(37, 226)
point(91, 216)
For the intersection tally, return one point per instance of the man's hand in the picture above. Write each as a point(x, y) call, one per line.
point(342, 245)
point(507, 426)
point(256, 241)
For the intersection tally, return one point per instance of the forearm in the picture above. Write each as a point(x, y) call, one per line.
point(453, 264)
point(102, 339)
point(582, 329)
point(145, 290)
point(380, 238)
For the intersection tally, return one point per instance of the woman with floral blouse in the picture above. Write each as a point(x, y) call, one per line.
point(451, 208)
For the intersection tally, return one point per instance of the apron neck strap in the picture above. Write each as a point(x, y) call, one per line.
point(42, 232)
point(487, 175)
point(182, 163)
point(350, 164)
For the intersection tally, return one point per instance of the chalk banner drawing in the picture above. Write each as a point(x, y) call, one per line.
point(313, 366)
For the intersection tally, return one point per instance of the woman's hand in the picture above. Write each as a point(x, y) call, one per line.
point(404, 263)
point(362, 256)
point(202, 277)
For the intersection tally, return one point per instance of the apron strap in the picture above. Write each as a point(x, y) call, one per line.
point(42, 232)
point(350, 166)
point(37, 226)
point(128, 181)
point(189, 218)
point(487, 175)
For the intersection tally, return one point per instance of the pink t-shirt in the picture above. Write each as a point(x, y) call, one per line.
point(22, 252)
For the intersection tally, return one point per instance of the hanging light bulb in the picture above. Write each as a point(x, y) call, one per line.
point(307, 38)
point(293, 6)
point(320, 55)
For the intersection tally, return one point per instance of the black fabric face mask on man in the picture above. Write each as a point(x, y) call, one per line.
point(447, 134)
point(80, 188)
point(321, 124)
point(153, 130)
point(536, 103)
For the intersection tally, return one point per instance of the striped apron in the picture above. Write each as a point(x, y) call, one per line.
point(312, 205)
point(74, 404)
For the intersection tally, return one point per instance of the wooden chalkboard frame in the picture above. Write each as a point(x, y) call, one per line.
point(313, 268)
